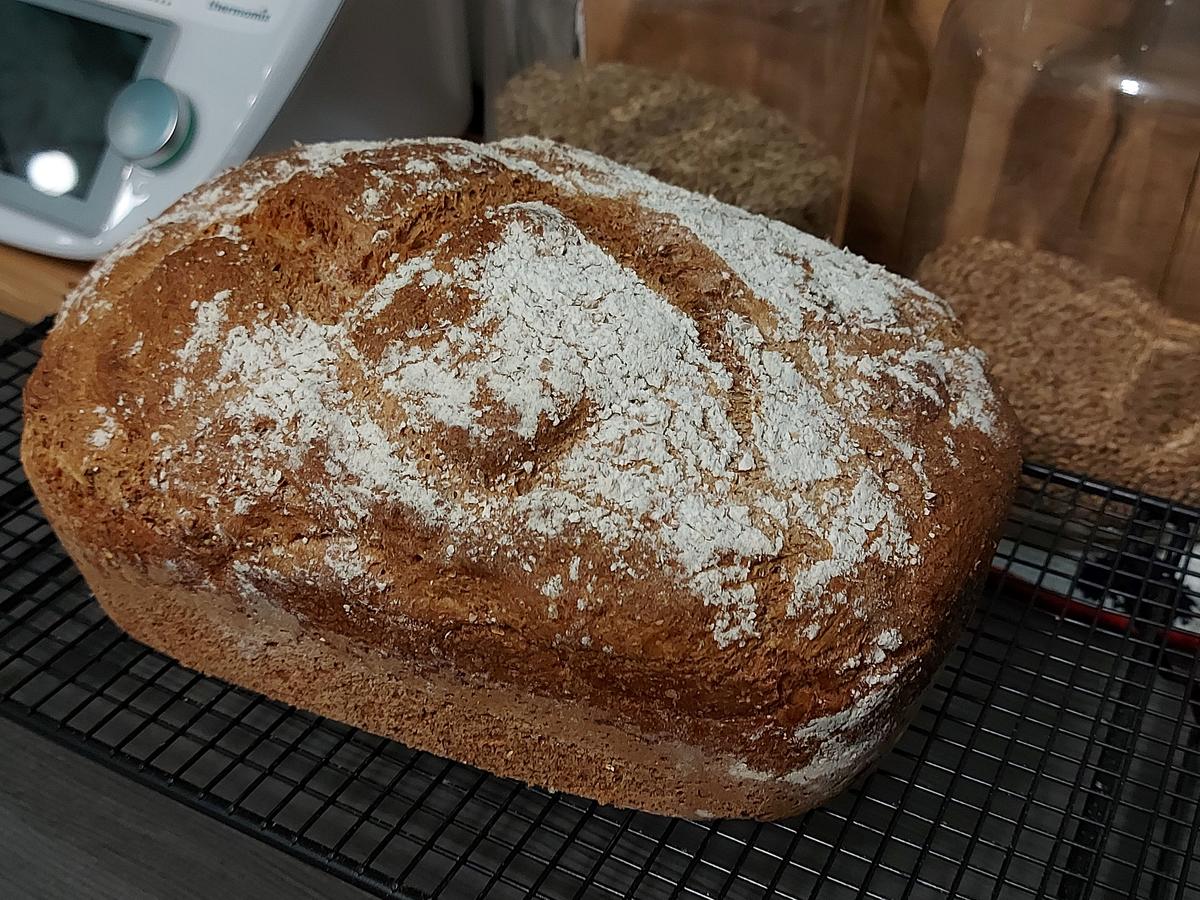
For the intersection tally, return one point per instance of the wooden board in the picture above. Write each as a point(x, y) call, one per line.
point(32, 286)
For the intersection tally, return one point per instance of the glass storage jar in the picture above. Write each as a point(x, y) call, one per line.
point(754, 101)
point(1070, 126)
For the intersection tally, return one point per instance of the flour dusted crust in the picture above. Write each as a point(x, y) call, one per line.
point(526, 458)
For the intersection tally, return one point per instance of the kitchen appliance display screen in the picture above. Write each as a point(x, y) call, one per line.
point(58, 75)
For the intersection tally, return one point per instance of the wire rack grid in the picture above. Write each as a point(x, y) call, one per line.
point(1057, 754)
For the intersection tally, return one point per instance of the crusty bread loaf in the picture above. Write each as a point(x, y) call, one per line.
point(530, 460)
point(1100, 374)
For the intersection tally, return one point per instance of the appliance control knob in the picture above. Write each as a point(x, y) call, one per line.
point(149, 122)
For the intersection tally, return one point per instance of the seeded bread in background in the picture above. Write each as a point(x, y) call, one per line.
point(686, 132)
point(1103, 380)
point(528, 459)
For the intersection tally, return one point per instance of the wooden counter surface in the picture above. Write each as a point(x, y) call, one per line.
point(32, 286)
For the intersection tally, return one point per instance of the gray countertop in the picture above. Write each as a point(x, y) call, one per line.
point(71, 828)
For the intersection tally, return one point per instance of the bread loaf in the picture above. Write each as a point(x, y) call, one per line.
point(527, 459)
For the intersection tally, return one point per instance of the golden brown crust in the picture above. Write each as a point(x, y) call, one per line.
point(522, 418)
point(560, 744)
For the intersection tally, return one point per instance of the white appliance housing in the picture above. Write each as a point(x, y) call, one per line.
point(246, 75)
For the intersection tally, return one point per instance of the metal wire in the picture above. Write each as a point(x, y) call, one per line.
point(1057, 754)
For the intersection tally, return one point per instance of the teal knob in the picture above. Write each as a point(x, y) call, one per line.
point(149, 122)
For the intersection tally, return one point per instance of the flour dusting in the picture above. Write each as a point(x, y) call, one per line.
point(103, 435)
point(701, 458)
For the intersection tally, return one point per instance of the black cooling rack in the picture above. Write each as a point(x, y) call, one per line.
point(1057, 754)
